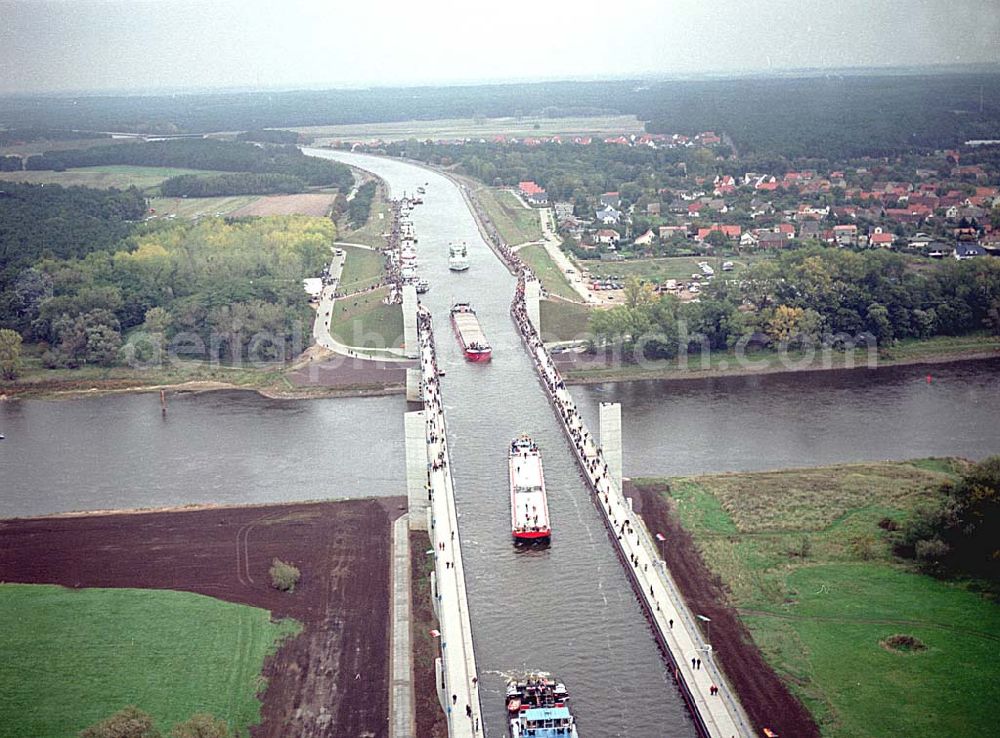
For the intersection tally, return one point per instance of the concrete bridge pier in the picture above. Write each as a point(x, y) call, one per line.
point(611, 439)
point(411, 348)
point(414, 385)
point(533, 303)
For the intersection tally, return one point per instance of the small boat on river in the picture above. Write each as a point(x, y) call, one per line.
point(458, 257)
point(537, 707)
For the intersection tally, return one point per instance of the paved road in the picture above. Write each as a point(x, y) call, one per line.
point(553, 245)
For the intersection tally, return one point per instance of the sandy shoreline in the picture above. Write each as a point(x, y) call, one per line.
point(680, 375)
point(319, 392)
point(96, 389)
point(190, 507)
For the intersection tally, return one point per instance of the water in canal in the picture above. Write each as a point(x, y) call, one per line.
point(567, 609)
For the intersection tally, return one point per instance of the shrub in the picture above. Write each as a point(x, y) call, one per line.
point(129, 722)
point(284, 576)
point(201, 725)
point(903, 643)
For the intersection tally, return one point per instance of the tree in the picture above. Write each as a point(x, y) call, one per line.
point(130, 722)
point(157, 320)
point(962, 534)
point(879, 323)
point(201, 725)
point(284, 576)
point(638, 294)
point(717, 239)
point(992, 319)
point(10, 353)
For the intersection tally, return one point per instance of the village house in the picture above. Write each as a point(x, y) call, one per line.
point(732, 232)
point(646, 239)
point(610, 200)
point(532, 193)
point(965, 250)
point(653, 208)
point(668, 232)
point(809, 229)
point(608, 216)
point(845, 235)
point(607, 236)
point(880, 238)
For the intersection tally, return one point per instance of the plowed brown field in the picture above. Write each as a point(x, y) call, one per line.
point(333, 679)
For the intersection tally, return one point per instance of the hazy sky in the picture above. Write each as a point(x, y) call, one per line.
point(56, 45)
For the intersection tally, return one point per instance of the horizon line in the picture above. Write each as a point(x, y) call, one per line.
point(942, 68)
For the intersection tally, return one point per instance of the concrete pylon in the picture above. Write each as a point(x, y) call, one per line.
point(410, 321)
point(416, 468)
point(533, 302)
point(611, 439)
point(414, 380)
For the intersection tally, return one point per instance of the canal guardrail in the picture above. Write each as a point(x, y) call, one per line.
point(713, 704)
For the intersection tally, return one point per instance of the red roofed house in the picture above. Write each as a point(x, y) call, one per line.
point(533, 193)
point(731, 232)
point(880, 238)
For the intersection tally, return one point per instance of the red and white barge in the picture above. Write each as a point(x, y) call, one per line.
point(529, 507)
point(470, 333)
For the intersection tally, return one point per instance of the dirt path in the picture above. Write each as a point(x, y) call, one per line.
point(763, 694)
point(333, 679)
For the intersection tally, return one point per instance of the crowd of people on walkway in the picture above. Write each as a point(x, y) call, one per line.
point(437, 453)
point(588, 450)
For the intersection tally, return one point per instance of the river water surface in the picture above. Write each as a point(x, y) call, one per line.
point(567, 609)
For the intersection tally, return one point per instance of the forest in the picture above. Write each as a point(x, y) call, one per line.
point(810, 295)
point(234, 183)
point(210, 154)
point(59, 222)
point(220, 290)
point(832, 114)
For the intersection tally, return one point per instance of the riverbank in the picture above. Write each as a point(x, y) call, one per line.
point(334, 673)
point(795, 570)
point(581, 368)
point(318, 374)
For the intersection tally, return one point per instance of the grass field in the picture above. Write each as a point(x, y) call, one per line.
point(813, 576)
point(363, 268)
point(101, 177)
point(564, 321)
point(474, 128)
point(313, 204)
point(516, 223)
point(371, 233)
point(199, 207)
point(365, 321)
point(671, 267)
point(73, 657)
point(552, 278)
